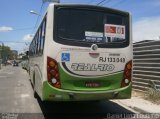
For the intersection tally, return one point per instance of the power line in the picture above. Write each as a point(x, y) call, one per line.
point(38, 17)
point(17, 29)
point(103, 2)
point(21, 29)
point(14, 42)
point(106, 2)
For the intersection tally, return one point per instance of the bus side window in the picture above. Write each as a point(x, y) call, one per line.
point(30, 50)
point(37, 45)
point(39, 40)
point(43, 36)
point(34, 46)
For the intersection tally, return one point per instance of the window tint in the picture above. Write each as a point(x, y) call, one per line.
point(72, 24)
point(79, 26)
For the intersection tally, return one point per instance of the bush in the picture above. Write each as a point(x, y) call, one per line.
point(153, 95)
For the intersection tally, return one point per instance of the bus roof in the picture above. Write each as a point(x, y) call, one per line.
point(90, 6)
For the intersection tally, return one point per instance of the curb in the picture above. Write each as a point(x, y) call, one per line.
point(137, 109)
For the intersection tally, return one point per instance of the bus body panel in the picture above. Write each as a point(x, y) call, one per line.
point(36, 73)
point(108, 81)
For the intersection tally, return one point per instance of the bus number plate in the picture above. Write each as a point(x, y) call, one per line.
point(92, 84)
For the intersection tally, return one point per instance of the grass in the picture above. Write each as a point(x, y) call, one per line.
point(153, 95)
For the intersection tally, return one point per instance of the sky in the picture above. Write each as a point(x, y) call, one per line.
point(17, 24)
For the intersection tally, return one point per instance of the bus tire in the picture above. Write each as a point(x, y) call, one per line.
point(35, 94)
point(34, 89)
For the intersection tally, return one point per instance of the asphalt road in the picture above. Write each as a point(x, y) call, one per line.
point(16, 97)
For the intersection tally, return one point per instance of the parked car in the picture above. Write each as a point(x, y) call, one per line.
point(15, 63)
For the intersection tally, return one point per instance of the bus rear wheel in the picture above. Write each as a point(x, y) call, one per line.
point(35, 94)
point(34, 91)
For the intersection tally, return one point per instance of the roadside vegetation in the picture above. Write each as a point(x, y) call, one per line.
point(151, 94)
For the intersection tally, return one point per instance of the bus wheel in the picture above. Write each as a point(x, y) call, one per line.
point(34, 91)
point(35, 94)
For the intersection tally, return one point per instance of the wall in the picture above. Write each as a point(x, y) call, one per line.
point(146, 65)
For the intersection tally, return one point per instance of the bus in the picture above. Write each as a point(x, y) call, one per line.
point(82, 53)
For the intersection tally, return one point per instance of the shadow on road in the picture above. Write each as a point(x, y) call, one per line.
point(85, 110)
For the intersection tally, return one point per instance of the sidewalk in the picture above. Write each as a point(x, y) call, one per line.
point(139, 104)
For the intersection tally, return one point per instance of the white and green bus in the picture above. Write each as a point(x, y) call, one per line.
point(82, 52)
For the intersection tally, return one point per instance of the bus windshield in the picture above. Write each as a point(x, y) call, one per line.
point(91, 26)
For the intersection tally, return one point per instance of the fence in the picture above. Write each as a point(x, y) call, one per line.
point(146, 65)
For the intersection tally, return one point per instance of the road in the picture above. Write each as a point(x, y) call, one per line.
point(16, 96)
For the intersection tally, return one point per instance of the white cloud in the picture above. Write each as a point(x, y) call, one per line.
point(28, 37)
point(16, 46)
point(11, 45)
point(146, 29)
point(20, 45)
point(5, 29)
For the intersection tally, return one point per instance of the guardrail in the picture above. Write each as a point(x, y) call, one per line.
point(146, 65)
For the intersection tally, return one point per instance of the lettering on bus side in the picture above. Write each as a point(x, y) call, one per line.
point(112, 59)
point(92, 67)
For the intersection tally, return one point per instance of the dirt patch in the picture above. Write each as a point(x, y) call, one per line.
point(138, 94)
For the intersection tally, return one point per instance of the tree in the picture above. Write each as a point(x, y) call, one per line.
point(6, 53)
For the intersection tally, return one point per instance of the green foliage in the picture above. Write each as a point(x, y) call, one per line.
point(6, 53)
point(153, 95)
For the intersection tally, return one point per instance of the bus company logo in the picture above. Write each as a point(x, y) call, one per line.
point(65, 57)
point(92, 67)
